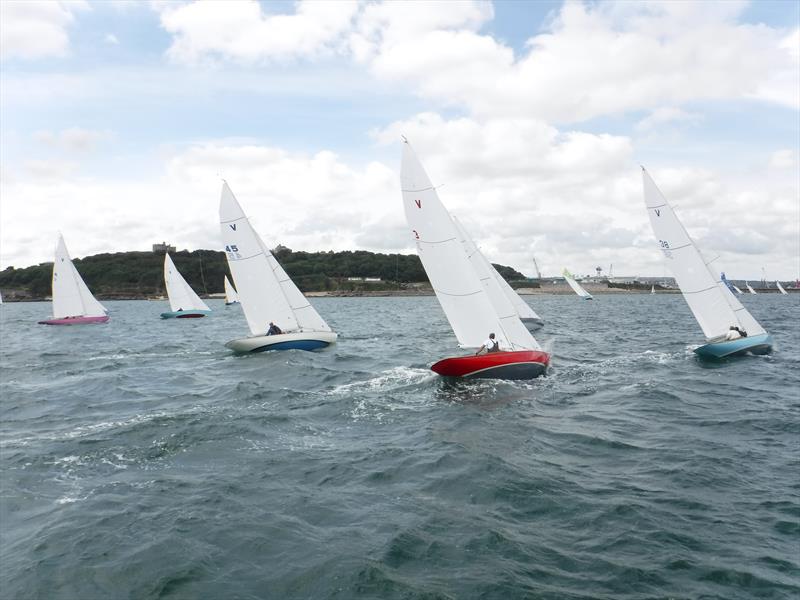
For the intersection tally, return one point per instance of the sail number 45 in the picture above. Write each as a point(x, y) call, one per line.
point(233, 251)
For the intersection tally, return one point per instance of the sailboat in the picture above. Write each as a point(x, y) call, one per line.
point(183, 300)
point(491, 279)
point(780, 288)
point(716, 309)
point(652, 289)
point(266, 292)
point(749, 288)
point(73, 303)
point(472, 309)
point(231, 297)
point(576, 287)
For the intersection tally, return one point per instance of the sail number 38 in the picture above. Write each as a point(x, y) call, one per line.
point(665, 248)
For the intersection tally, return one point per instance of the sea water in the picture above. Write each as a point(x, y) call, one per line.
point(141, 459)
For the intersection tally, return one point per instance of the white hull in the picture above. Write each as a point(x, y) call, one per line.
point(301, 340)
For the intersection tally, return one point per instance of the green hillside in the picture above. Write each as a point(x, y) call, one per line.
point(141, 274)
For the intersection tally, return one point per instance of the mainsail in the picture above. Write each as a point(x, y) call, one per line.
point(576, 287)
point(71, 297)
point(463, 297)
point(181, 295)
point(712, 303)
point(265, 291)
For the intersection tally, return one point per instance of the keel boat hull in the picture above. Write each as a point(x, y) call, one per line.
point(303, 340)
point(76, 321)
point(185, 314)
point(754, 344)
point(522, 364)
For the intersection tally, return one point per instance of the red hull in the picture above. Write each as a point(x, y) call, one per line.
point(522, 364)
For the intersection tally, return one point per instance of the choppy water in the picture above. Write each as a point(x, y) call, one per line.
point(140, 459)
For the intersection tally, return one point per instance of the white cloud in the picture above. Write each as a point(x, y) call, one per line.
point(110, 38)
point(32, 29)
point(73, 139)
point(783, 159)
point(664, 115)
point(241, 32)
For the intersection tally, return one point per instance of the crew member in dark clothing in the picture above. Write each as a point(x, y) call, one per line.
point(273, 329)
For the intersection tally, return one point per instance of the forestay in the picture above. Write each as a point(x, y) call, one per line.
point(458, 288)
point(181, 295)
point(710, 300)
point(71, 297)
point(265, 291)
point(515, 331)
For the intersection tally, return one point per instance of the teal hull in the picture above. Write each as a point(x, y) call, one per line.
point(185, 314)
point(754, 344)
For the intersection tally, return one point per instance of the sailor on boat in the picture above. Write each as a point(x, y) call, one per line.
point(273, 329)
point(490, 345)
point(734, 333)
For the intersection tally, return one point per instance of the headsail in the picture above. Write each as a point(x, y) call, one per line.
point(712, 303)
point(510, 321)
point(265, 291)
point(458, 287)
point(576, 287)
point(71, 297)
point(230, 293)
point(181, 295)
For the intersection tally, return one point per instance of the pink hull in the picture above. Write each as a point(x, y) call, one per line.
point(75, 321)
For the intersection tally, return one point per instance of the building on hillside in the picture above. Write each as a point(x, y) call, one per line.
point(162, 248)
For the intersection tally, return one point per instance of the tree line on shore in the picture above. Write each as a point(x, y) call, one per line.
point(141, 274)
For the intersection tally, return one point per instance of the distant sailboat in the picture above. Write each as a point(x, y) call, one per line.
point(492, 280)
point(576, 287)
point(749, 288)
point(73, 303)
point(473, 309)
point(183, 300)
point(266, 292)
point(712, 303)
point(736, 289)
point(780, 288)
point(652, 289)
point(231, 297)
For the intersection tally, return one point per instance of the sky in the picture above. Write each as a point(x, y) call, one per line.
point(119, 120)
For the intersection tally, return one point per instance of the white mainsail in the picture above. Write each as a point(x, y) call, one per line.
point(466, 303)
point(576, 287)
point(712, 303)
point(780, 288)
point(265, 291)
point(652, 289)
point(230, 293)
point(181, 295)
point(750, 288)
point(71, 297)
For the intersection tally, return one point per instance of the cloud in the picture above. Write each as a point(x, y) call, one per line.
point(73, 139)
point(241, 32)
point(31, 29)
point(666, 114)
point(110, 38)
point(784, 159)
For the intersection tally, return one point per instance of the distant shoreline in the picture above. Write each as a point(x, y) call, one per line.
point(600, 291)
